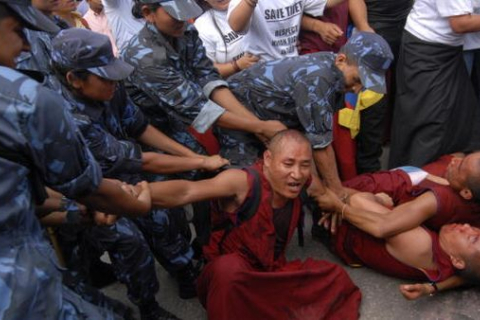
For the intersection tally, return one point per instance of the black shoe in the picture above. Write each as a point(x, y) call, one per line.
point(152, 311)
point(187, 278)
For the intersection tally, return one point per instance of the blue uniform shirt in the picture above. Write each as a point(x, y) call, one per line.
point(301, 92)
point(110, 129)
point(173, 80)
point(35, 123)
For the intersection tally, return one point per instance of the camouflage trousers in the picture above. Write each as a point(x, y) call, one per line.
point(132, 245)
point(31, 283)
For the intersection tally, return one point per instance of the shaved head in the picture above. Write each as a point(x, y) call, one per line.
point(280, 138)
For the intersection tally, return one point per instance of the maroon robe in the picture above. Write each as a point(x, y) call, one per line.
point(357, 247)
point(246, 282)
point(451, 207)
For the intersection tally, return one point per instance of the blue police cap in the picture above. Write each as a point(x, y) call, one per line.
point(81, 49)
point(33, 18)
point(373, 56)
point(181, 10)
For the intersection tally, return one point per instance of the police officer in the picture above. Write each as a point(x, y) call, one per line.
point(304, 92)
point(175, 83)
point(40, 144)
point(114, 129)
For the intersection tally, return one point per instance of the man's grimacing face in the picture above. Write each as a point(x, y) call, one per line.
point(288, 167)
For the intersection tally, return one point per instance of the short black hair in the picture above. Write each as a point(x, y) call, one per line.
point(61, 74)
point(6, 12)
point(137, 8)
point(471, 273)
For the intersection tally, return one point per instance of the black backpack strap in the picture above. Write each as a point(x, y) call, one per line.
point(39, 192)
point(301, 219)
point(243, 215)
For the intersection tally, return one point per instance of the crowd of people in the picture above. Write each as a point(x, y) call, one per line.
point(122, 122)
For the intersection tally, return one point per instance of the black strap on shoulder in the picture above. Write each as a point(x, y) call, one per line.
point(243, 215)
point(39, 192)
point(301, 219)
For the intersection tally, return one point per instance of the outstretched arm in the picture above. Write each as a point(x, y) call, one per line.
point(380, 221)
point(417, 290)
point(157, 139)
point(228, 184)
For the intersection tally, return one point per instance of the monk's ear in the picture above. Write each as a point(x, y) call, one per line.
point(457, 262)
point(267, 158)
point(466, 194)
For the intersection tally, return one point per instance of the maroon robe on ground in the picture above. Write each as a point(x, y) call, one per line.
point(355, 247)
point(451, 207)
point(246, 282)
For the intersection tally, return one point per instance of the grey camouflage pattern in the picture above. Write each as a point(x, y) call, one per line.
point(34, 122)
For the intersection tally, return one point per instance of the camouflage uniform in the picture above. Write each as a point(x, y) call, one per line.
point(120, 240)
point(34, 123)
point(171, 84)
point(109, 129)
point(38, 58)
point(301, 92)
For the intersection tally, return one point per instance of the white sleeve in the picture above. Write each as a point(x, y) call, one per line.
point(111, 3)
point(314, 7)
point(203, 26)
point(447, 8)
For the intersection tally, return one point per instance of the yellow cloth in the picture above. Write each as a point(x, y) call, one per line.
point(350, 118)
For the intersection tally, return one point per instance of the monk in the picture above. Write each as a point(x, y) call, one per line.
point(247, 275)
point(441, 194)
point(417, 254)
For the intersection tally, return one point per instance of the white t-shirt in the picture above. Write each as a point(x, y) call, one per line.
point(428, 20)
point(221, 43)
point(124, 26)
point(274, 26)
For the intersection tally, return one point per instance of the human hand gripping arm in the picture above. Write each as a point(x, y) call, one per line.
point(367, 214)
point(111, 198)
point(157, 139)
point(166, 164)
point(173, 193)
point(229, 68)
point(327, 169)
point(240, 118)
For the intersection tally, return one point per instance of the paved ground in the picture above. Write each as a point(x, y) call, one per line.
point(381, 298)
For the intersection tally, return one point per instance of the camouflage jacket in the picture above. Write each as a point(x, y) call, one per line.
point(35, 124)
point(110, 129)
point(172, 80)
point(302, 92)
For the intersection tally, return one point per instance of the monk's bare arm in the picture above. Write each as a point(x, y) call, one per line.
point(380, 221)
point(173, 193)
point(402, 218)
point(417, 290)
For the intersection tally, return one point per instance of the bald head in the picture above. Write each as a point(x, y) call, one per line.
point(286, 136)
